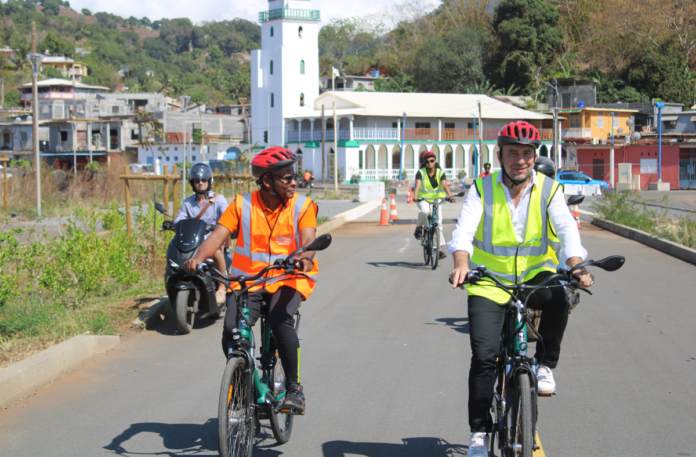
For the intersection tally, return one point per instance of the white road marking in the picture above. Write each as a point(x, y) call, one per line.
point(405, 246)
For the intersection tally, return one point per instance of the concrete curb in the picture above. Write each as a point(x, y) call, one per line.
point(347, 216)
point(155, 312)
point(23, 378)
point(668, 247)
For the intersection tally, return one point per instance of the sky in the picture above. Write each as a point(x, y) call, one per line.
point(208, 10)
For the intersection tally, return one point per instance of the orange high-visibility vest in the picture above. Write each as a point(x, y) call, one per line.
point(253, 252)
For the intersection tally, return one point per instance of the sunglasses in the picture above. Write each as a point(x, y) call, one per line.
point(198, 181)
point(430, 161)
point(287, 179)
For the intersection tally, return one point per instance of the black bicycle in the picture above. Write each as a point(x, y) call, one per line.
point(251, 393)
point(430, 235)
point(516, 390)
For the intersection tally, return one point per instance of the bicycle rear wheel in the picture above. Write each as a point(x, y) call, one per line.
point(435, 247)
point(235, 421)
point(521, 428)
point(281, 424)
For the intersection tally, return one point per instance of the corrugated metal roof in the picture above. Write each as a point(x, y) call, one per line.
point(394, 104)
point(670, 118)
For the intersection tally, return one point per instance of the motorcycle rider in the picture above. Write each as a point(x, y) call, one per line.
point(486, 170)
point(208, 207)
point(272, 223)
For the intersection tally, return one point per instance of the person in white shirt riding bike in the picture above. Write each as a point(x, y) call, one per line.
point(516, 223)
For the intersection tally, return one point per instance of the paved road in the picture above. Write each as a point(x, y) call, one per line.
point(384, 364)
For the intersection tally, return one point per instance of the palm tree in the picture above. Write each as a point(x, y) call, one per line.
point(20, 49)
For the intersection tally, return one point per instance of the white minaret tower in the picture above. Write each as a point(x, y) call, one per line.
point(285, 71)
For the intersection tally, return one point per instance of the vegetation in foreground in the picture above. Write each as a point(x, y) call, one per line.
point(55, 288)
point(630, 209)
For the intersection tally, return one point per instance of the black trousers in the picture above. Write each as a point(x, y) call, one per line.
point(486, 319)
point(280, 308)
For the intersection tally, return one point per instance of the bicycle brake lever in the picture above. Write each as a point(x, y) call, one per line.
point(584, 290)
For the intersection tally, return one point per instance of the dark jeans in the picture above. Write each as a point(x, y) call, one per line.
point(280, 308)
point(486, 320)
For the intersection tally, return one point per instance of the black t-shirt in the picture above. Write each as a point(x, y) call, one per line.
point(433, 178)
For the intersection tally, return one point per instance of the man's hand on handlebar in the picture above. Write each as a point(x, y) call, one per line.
point(304, 264)
point(451, 199)
point(459, 275)
point(190, 265)
point(585, 279)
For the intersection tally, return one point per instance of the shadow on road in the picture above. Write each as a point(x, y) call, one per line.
point(169, 327)
point(459, 324)
point(412, 265)
point(411, 447)
point(177, 439)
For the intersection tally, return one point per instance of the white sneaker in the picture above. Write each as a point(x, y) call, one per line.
point(478, 446)
point(545, 381)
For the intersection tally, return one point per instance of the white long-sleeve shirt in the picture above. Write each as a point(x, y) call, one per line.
point(562, 222)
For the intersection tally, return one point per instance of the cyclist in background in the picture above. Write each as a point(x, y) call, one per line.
point(431, 184)
point(517, 224)
point(486, 170)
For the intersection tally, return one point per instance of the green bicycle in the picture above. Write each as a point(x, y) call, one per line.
point(251, 393)
point(514, 403)
point(430, 234)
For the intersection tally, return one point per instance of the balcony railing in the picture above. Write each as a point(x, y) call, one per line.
point(376, 134)
point(295, 137)
point(290, 13)
point(576, 133)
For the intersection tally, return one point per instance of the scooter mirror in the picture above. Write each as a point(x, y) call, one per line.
point(612, 263)
point(576, 199)
point(160, 207)
point(461, 194)
point(320, 243)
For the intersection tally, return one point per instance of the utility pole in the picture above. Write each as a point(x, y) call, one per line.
point(659, 106)
point(2, 83)
point(403, 136)
point(334, 73)
point(323, 146)
point(556, 159)
point(611, 153)
point(480, 135)
point(185, 101)
point(35, 60)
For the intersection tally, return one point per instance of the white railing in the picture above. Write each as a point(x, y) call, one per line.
point(306, 135)
point(409, 174)
point(576, 133)
point(376, 134)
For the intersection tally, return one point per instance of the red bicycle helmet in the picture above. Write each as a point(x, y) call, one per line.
point(520, 132)
point(271, 159)
point(427, 154)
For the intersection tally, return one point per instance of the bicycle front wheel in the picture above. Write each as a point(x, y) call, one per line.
point(521, 429)
point(426, 247)
point(235, 420)
point(435, 247)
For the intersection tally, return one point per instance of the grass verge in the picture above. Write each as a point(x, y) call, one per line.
point(630, 209)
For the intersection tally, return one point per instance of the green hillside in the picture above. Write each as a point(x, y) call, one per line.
point(209, 61)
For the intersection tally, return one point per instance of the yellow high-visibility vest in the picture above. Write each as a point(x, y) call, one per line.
point(495, 242)
point(429, 192)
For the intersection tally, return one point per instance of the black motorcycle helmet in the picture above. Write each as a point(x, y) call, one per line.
point(546, 166)
point(203, 172)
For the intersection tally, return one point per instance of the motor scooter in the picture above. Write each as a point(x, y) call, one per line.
point(305, 184)
point(190, 294)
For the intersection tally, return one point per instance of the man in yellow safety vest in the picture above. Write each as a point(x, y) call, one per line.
point(516, 223)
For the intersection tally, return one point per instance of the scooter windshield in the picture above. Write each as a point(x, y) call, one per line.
point(189, 234)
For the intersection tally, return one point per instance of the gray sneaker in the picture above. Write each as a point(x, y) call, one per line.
point(478, 445)
point(545, 381)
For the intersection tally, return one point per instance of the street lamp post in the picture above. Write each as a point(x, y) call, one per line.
point(185, 101)
point(35, 60)
point(403, 135)
point(556, 156)
point(334, 73)
point(74, 148)
point(659, 105)
point(475, 152)
point(611, 153)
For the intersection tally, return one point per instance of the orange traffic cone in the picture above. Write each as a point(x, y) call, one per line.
point(576, 214)
point(410, 196)
point(384, 220)
point(392, 210)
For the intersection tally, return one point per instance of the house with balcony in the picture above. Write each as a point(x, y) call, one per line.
point(16, 137)
point(371, 131)
point(349, 82)
point(67, 66)
point(592, 125)
point(59, 89)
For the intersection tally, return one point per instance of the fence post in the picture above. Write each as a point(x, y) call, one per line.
point(166, 190)
point(128, 208)
point(175, 172)
point(4, 181)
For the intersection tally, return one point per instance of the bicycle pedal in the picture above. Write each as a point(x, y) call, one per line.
point(292, 412)
point(553, 394)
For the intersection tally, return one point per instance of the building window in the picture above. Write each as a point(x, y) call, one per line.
point(176, 149)
point(167, 148)
point(23, 136)
point(449, 125)
point(272, 101)
point(114, 109)
point(176, 158)
point(302, 67)
point(574, 122)
point(615, 123)
point(64, 135)
point(301, 99)
point(193, 158)
point(422, 125)
point(271, 31)
point(600, 122)
point(166, 158)
point(271, 67)
point(300, 31)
